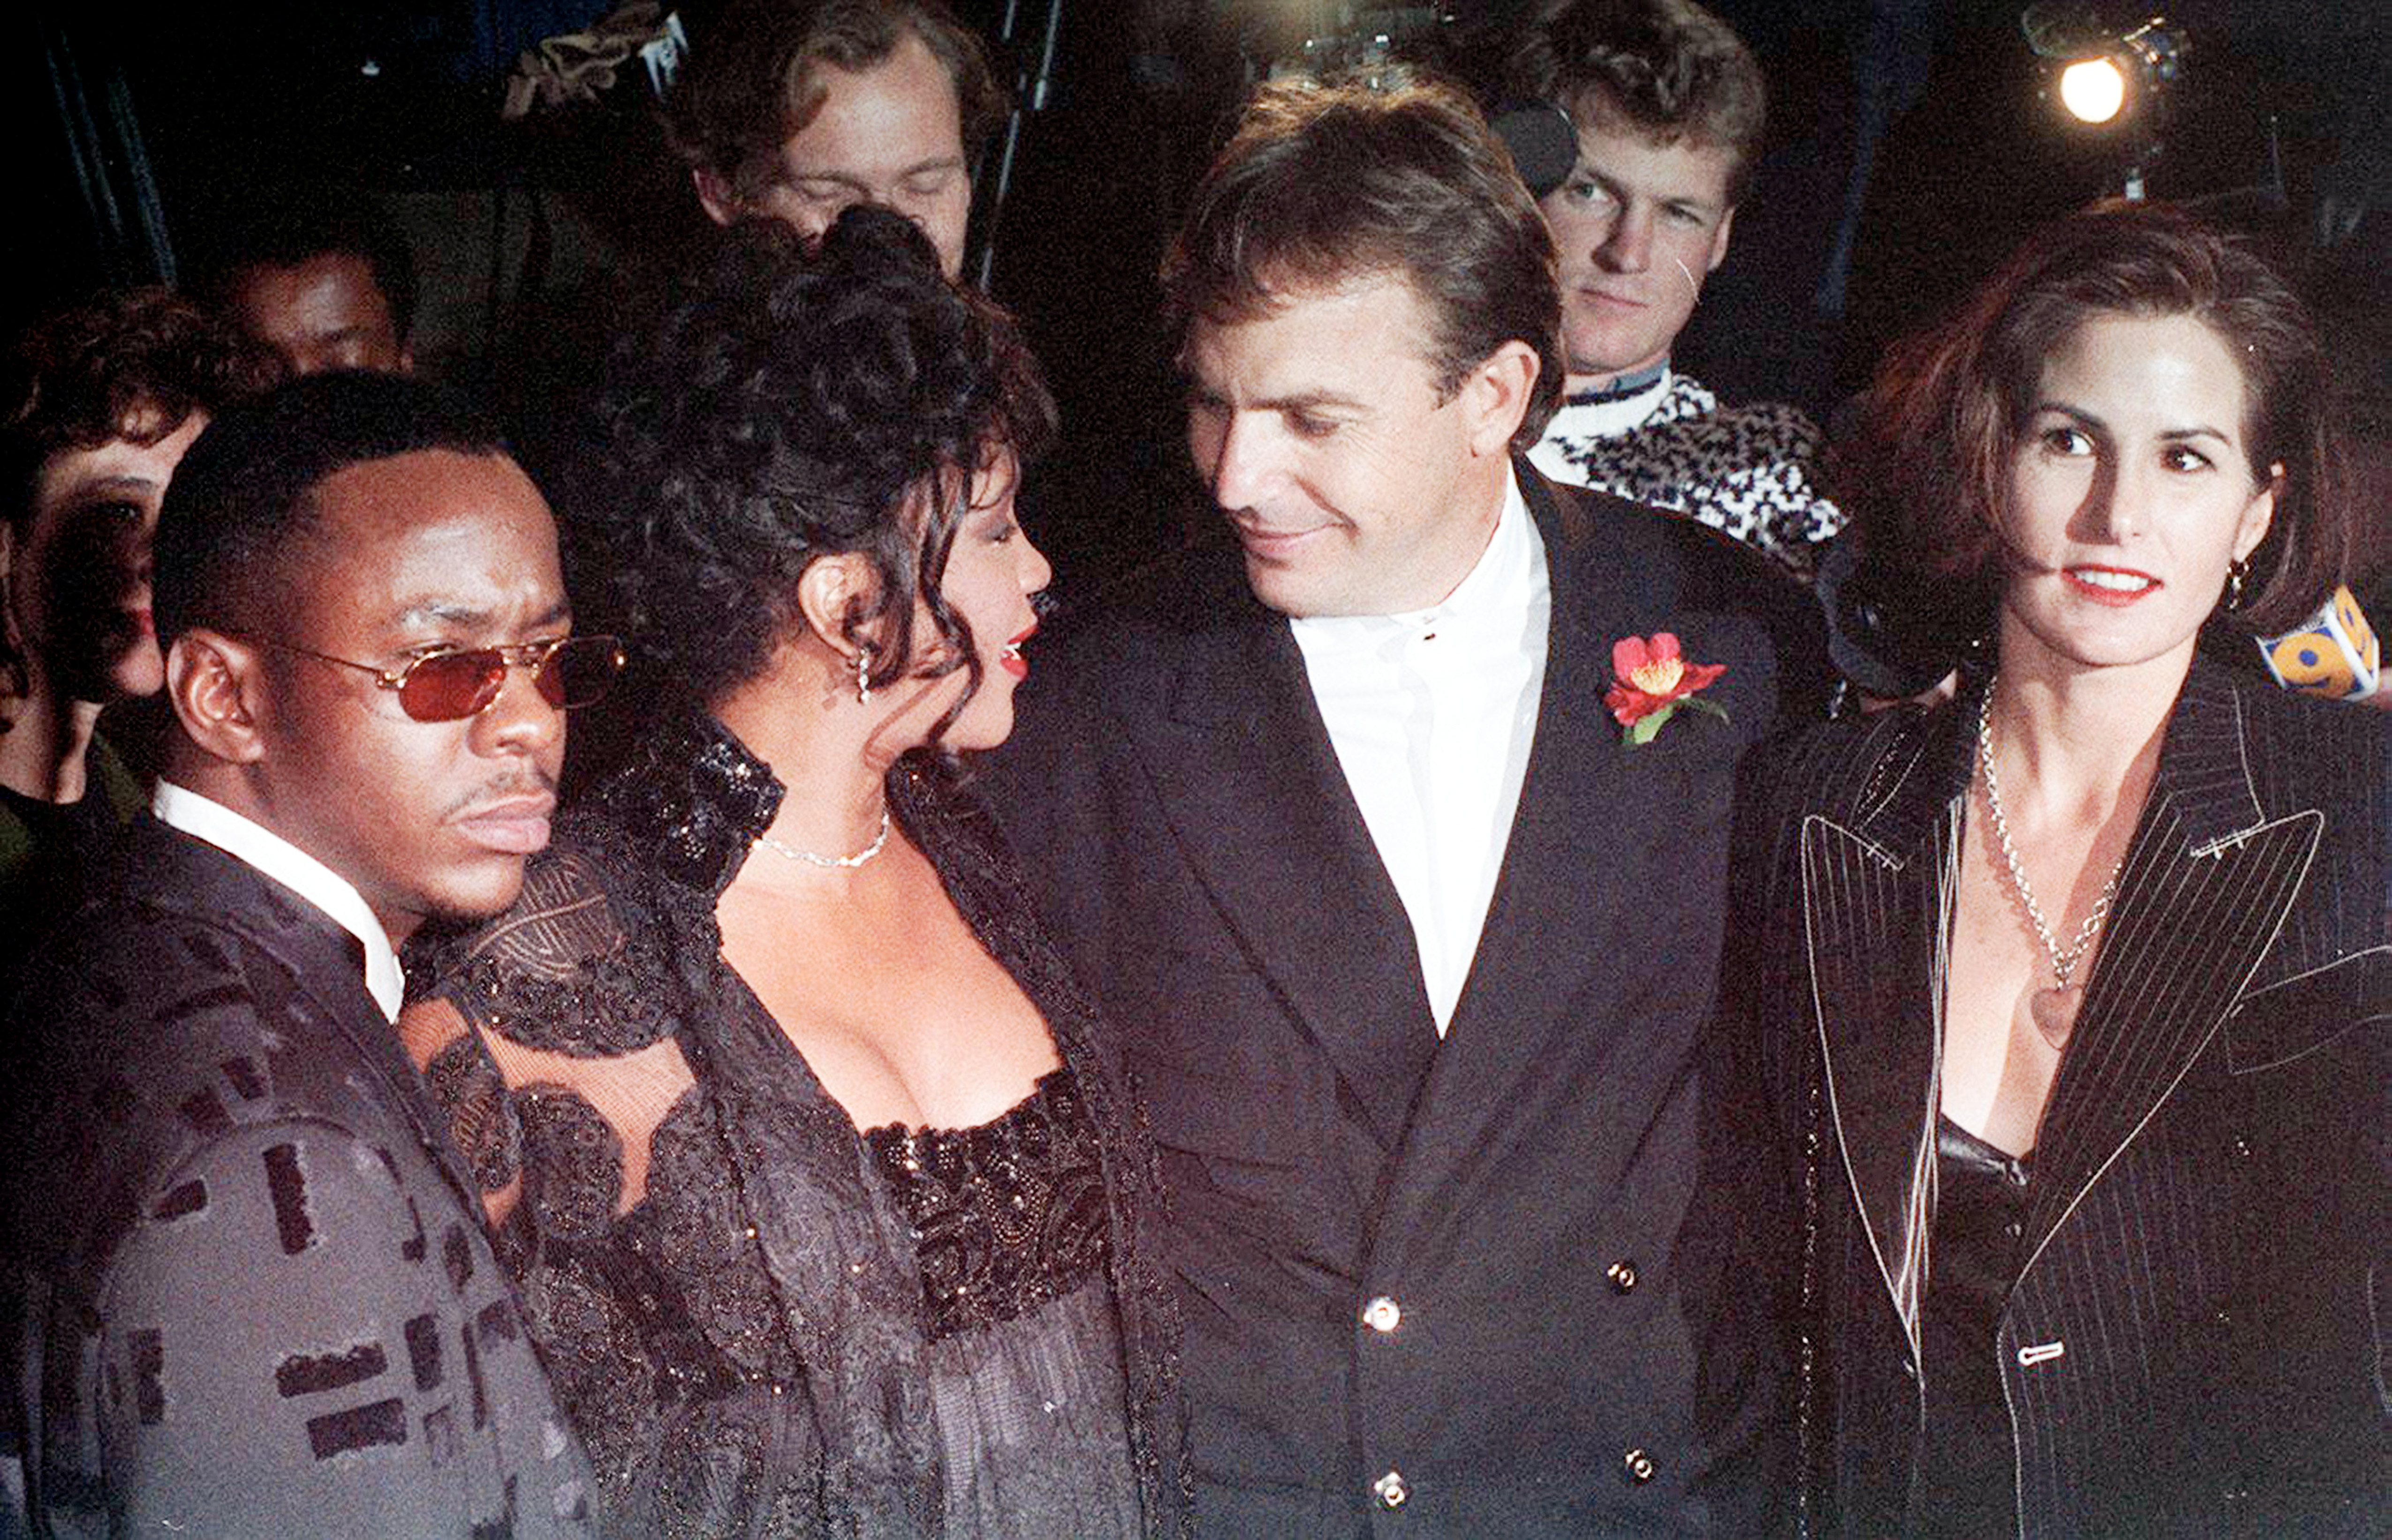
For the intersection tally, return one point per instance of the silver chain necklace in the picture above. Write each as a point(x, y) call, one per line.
point(2063, 963)
point(847, 863)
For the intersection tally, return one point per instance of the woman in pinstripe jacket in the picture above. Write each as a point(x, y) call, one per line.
point(2071, 1014)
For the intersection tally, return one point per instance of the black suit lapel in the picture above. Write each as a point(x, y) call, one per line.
point(324, 961)
point(1582, 852)
point(1565, 851)
point(318, 984)
point(2206, 888)
point(1245, 776)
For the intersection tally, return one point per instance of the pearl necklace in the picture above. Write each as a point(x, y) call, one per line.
point(879, 843)
point(2054, 1009)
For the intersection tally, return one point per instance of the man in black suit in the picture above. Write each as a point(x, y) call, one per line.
point(257, 1297)
point(1408, 937)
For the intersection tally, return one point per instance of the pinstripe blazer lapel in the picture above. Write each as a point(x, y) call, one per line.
point(1875, 896)
point(2204, 889)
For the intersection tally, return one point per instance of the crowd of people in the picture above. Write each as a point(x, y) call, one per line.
point(1455, 1003)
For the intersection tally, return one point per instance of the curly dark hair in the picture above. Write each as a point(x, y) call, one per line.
point(130, 365)
point(790, 404)
point(133, 365)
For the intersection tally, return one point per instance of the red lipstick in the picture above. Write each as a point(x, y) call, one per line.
point(1010, 658)
point(2116, 586)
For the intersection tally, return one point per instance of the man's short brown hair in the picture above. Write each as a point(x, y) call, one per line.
point(749, 86)
point(1667, 70)
point(1326, 185)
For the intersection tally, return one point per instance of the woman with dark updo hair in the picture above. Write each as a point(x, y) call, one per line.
point(2072, 994)
point(828, 1206)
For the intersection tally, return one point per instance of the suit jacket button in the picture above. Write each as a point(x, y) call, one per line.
point(1390, 1490)
point(1639, 1465)
point(1383, 1314)
point(1623, 1275)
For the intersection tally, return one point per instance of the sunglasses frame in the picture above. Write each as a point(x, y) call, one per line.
point(534, 656)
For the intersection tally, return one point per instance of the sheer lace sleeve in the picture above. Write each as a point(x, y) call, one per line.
point(552, 1046)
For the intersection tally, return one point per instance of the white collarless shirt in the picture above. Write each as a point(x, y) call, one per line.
point(1432, 714)
point(269, 853)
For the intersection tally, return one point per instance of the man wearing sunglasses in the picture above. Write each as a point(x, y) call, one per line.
point(258, 1298)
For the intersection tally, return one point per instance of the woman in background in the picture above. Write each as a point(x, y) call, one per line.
point(2072, 995)
point(828, 1208)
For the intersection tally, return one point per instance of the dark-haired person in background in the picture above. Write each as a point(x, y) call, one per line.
point(827, 1194)
point(1409, 935)
point(792, 109)
point(2072, 994)
point(1668, 105)
point(258, 1300)
point(327, 282)
point(103, 400)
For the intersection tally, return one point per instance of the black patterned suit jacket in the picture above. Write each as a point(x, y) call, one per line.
point(256, 1294)
point(1432, 1286)
point(2196, 1344)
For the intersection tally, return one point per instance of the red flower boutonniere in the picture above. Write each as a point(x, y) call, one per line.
point(1652, 681)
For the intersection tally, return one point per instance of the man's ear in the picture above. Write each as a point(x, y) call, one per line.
point(714, 195)
point(832, 593)
point(1495, 395)
point(1719, 242)
point(218, 688)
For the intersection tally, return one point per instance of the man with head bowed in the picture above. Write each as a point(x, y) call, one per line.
point(257, 1298)
point(1391, 833)
point(793, 110)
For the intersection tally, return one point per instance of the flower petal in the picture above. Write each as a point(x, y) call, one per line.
point(1627, 654)
point(1664, 645)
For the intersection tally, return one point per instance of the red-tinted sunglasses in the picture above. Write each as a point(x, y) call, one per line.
point(450, 686)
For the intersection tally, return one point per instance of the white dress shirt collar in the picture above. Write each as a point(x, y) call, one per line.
point(274, 857)
point(1490, 592)
point(1496, 585)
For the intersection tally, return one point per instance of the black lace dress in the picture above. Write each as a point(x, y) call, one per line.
point(764, 1322)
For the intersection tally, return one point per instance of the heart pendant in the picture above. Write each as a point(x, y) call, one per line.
point(2054, 1012)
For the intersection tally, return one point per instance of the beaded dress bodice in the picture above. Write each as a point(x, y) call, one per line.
point(1011, 1214)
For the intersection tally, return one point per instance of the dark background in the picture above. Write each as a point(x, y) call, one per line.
point(1909, 146)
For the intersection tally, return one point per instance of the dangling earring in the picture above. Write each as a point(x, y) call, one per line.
point(2236, 571)
point(863, 676)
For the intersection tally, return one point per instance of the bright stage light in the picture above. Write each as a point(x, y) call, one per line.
point(2093, 89)
point(2112, 85)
